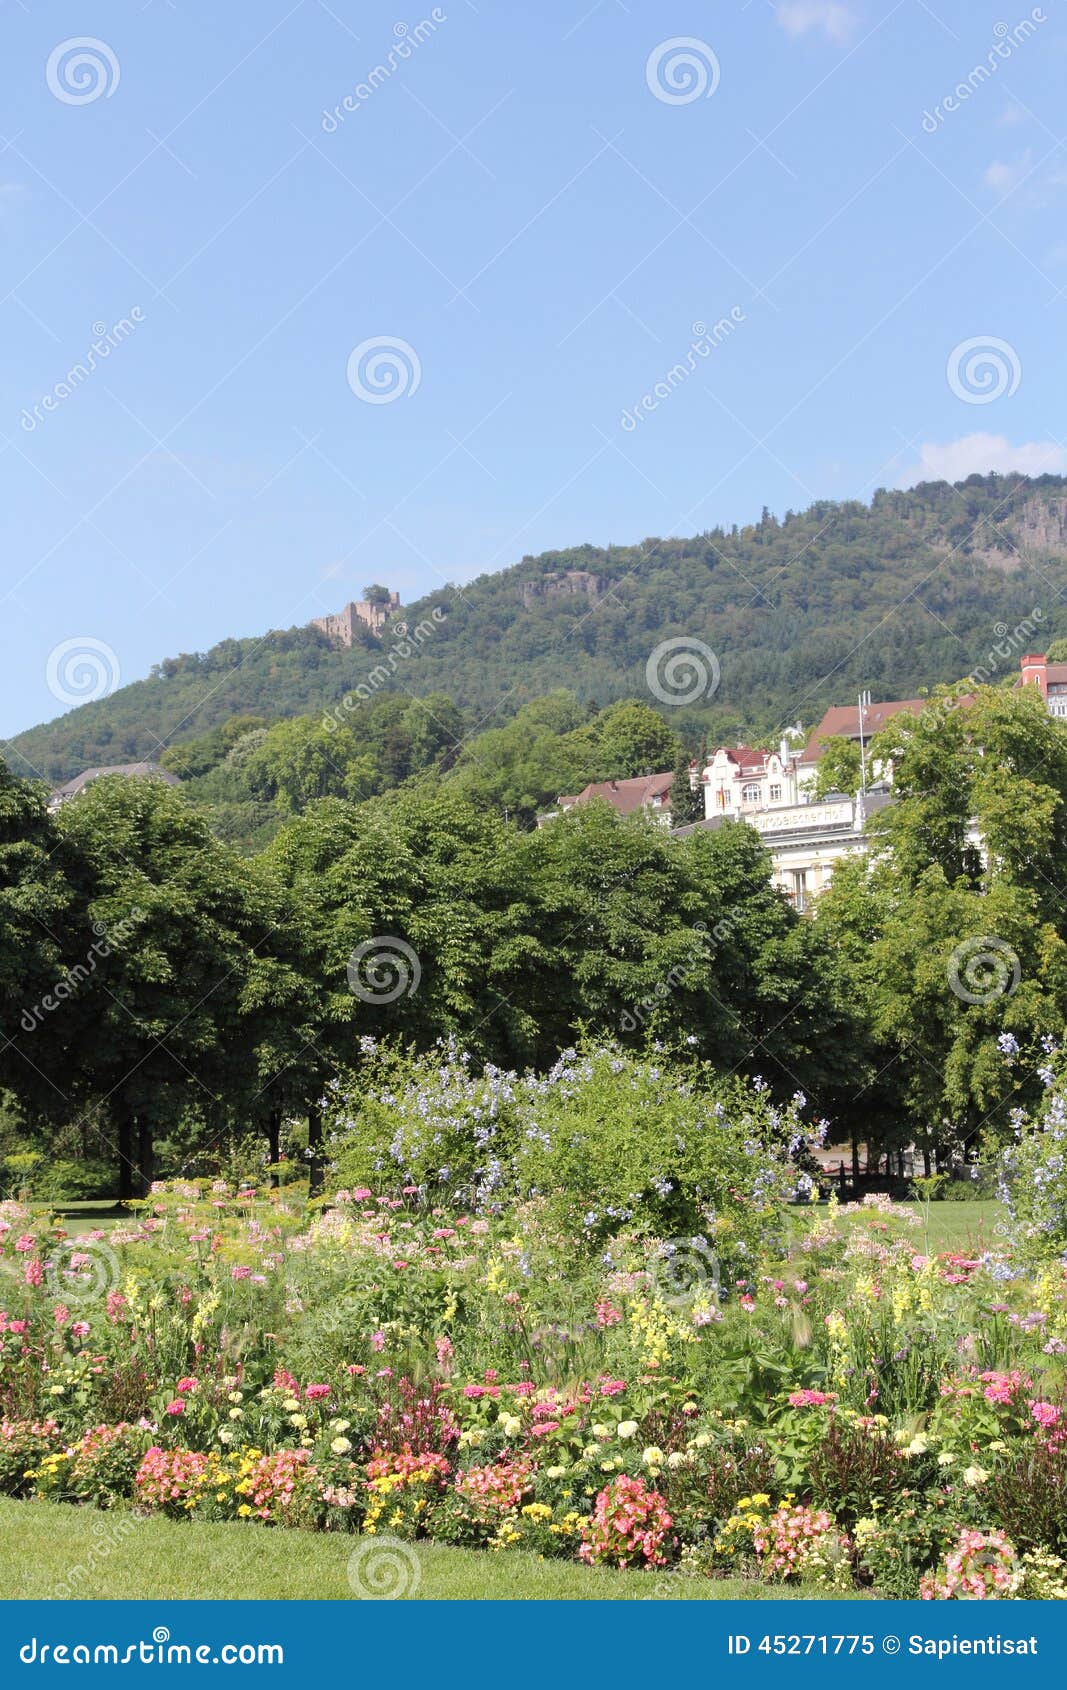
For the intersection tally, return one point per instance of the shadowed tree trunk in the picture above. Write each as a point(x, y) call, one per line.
point(274, 1138)
point(316, 1172)
point(146, 1161)
point(127, 1166)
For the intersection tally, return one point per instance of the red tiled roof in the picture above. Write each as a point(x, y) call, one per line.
point(843, 720)
point(625, 796)
point(1056, 672)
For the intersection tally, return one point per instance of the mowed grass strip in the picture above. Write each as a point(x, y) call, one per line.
point(52, 1550)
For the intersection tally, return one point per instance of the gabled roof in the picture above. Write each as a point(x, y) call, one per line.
point(746, 757)
point(625, 796)
point(843, 720)
point(151, 771)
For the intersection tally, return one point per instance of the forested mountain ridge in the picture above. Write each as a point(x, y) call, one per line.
point(896, 596)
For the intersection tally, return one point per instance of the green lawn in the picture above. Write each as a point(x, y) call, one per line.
point(965, 1227)
point(53, 1550)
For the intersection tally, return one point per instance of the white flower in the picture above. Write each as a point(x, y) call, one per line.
point(975, 1476)
point(601, 1432)
point(626, 1428)
point(652, 1456)
point(341, 1446)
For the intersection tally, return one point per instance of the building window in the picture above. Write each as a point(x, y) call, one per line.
point(750, 793)
point(776, 794)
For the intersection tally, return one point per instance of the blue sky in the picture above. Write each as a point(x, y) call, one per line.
point(511, 201)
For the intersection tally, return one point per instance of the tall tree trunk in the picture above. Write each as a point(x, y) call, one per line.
point(145, 1157)
point(855, 1160)
point(127, 1167)
point(274, 1139)
point(926, 1162)
point(316, 1172)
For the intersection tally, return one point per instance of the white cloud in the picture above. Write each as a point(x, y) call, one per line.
point(1004, 175)
point(800, 17)
point(982, 454)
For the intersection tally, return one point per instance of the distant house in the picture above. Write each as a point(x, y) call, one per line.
point(846, 721)
point(738, 780)
point(1050, 678)
point(643, 792)
point(806, 840)
point(132, 771)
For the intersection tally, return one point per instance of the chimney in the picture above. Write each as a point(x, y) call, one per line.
point(1035, 671)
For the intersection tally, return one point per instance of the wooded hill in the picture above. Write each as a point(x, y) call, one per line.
point(896, 596)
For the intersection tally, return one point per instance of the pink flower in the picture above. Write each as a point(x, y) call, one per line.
point(377, 1340)
point(175, 1407)
point(1045, 1413)
point(361, 1193)
point(25, 1243)
point(60, 1314)
point(314, 1392)
point(184, 1386)
point(239, 1271)
point(80, 1329)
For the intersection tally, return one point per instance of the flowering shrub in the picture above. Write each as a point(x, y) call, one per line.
point(800, 1542)
point(613, 1139)
point(24, 1444)
point(401, 1485)
point(982, 1566)
point(630, 1526)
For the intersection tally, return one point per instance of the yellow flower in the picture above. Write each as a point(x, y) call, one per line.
point(975, 1476)
point(341, 1446)
point(652, 1456)
point(244, 1511)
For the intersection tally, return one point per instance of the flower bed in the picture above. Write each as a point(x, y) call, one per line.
point(849, 1411)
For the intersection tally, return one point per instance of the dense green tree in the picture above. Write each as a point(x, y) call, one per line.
point(178, 935)
point(36, 948)
point(687, 803)
point(839, 768)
